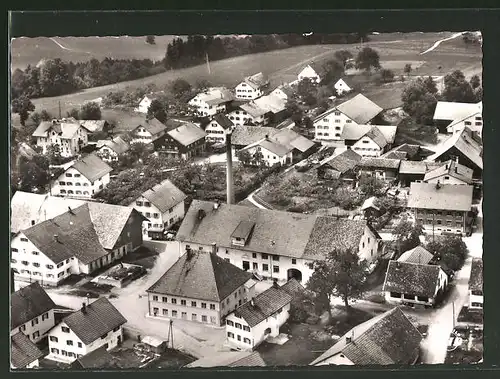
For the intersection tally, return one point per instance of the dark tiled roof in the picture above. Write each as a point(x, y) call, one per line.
point(476, 275)
point(27, 303)
point(23, 351)
point(264, 305)
point(291, 139)
point(275, 147)
point(243, 230)
point(379, 163)
point(223, 121)
point(318, 68)
point(92, 167)
point(329, 233)
point(67, 235)
point(417, 167)
point(453, 169)
point(395, 155)
point(345, 161)
point(386, 339)
point(230, 359)
point(376, 136)
point(99, 358)
point(246, 134)
point(446, 197)
point(416, 255)
point(412, 278)
point(164, 195)
point(257, 80)
point(293, 287)
point(98, 319)
point(187, 133)
point(117, 144)
point(201, 275)
point(153, 126)
point(360, 109)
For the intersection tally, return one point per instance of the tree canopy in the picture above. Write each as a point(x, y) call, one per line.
point(419, 100)
point(157, 110)
point(449, 250)
point(23, 106)
point(457, 88)
point(90, 111)
point(367, 59)
point(150, 40)
point(406, 236)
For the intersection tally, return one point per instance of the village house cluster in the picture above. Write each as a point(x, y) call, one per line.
point(224, 250)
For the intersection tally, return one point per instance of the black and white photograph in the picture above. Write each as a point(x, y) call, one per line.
point(257, 200)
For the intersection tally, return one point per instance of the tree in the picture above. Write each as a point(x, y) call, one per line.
point(370, 186)
point(294, 111)
point(340, 274)
point(202, 85)
point(406, 236)
point(407, 69)
point(367, 59)
point(430, 85)
point(386, 75)
point(34, 173)
point(475, 82)
point(478, 94)
point(157, 110)
point(450, 250)
point(419, 102)
point(36, 118)
point(54, 154)
point(45, 116)
point(244, 157)
point(74, 113)
point(55, 78)
point(343, 56)
point(180, 89)
point(457, 88)
point(306, 90)
point(23, 106)
point(150, 40)
point(90, 111)
point(333, 71)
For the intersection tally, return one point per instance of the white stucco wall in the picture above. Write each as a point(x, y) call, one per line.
point(366, 147)
point(342, 87)
point(239, 117)
point(337, 359)
point(332, 124)
point(244, 92)
point(68, 146)
point(36, 328)
point(215, 133)
point(163, 220)
point(269, 157)
point(79, 183)
point(446, 179)
point(473, 122)
point(309, 73)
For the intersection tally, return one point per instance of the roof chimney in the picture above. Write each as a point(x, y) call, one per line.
point(275, 283)
point(252, 303)
point(438, 185)
point(456, 170)
point(229, 169)
point(201, 214)
point(70, 210)
point(56, 237)
point(214, 248)
point(84, 308)
point(350, 337)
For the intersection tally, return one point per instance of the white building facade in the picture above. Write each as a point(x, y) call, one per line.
point(244, 91)
point(72, 183)
point(366, 147)
point(330, 126)
point(68, 146)
point(240, 117)
point(36, 328)
point(309, 73)
point(158, 221)
point(268, 157)
point(474, 122)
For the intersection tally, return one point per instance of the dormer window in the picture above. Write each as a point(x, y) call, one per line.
point(241, 235)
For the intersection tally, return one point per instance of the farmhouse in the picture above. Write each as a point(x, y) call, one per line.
point(147, 100)
point(28, 209)
point(95, 126)
point(269, 153)
point(83, 179)
point(386, 339)
point(80, 240)
point(341, 166)
point(259, 318)
point(249, 114)
point(248, 134)
point(409, 152)
point(68, 134)
point(455, 116)
point(414, 283)
point(342, 86)
point(450, 172)
point(359, 111)
point(185, 141)
point(301, 146)
point(476, 298)
point(414, 171)
point(313, 71)
point(252, 87)
point(211, 101)
point(416, 255)
point(23, 352)
point(441, 208)
point(109, 150)
point(32, 312)
point(381, 168)
point(274, 105)
point(200, 287)
point(284, 92)
point(95, 325)
point(148, 131)
point(465, 145)
point(230, 359)
point(217, 128)
point(162, 206)
point(369, 140)
point(274, 244)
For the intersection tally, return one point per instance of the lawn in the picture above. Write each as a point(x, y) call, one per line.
point(469, 352)
point(29, 51)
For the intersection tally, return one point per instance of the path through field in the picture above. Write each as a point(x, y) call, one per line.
point(440, 41)
point(67, 48)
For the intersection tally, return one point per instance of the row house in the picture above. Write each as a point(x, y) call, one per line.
point(201, 287)
point(162, 206)
point(83, 179)
point(68, 134)
point(441, 208)
point(359, 110)
point(95, 325)
point(185, 141)
point(211, 102)
point(79, 241)
point(32, 312)
point(252, 87)
point(273, 244)
point(390, 338)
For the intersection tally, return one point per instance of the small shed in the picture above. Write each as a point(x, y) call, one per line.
point(153, 344)
point(369, 207)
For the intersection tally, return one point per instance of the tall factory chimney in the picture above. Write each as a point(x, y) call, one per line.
point(229, 169)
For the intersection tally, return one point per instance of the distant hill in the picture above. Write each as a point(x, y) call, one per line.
point(30, 51)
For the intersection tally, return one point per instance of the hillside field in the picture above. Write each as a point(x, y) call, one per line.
point(284, 65)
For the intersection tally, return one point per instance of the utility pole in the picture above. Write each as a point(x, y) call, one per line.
point(60, 116)
point(171, 334)
point(433, 222)
point(208, 64)
point(453, 310)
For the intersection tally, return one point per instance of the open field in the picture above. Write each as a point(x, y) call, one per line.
point(283, 66)
point(29, 51)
